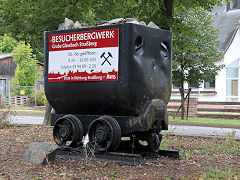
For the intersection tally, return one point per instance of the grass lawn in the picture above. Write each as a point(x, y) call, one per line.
point(196, 120)
point(221, 113)
point(24, 109)
point(30, 111)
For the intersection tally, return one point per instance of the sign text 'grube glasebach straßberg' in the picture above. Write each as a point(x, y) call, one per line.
point(84, 56)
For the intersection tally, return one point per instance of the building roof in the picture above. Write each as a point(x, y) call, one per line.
point(40, 63)
point(227, 24)
point(10, 55)
point(4, 56)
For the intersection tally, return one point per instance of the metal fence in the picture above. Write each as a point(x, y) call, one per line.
point(12, 95)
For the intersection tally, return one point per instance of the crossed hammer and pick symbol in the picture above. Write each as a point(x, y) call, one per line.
point(106, 58)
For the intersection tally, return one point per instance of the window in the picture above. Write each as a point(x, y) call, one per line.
point(2, 86)
point(209, 84)
point(233, 4)
point(176, 86)
point(194, 85)
point(232, 77)
point(41, 85)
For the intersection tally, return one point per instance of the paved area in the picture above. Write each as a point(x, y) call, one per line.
point(197, 131)
point(26, 119)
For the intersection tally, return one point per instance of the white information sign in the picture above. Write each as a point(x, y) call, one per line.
point(84, 56)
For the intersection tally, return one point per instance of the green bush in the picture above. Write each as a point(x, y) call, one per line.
point(41, 98)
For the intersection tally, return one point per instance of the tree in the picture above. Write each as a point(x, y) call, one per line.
point(162, 12)
point(27, 71)
point(195, 53)
point(7, 44)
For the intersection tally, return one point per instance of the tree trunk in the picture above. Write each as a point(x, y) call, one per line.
point(182, 102)
point(169, 7)
point(188, 99)
point(47, 116)
point(166, 8)
point(181, 89)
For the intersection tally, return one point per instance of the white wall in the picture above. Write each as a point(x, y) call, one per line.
point(233, 52)
point(220, 86)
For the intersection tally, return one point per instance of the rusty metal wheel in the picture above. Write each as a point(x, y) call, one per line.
point(105, 134)
point(154, 141)
point(68, 131)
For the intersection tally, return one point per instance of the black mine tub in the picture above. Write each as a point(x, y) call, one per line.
point(108, 82)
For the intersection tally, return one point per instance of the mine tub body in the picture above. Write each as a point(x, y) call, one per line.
point(123, 71)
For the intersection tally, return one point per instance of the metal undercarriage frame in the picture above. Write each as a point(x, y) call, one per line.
point(154, 114)
point(105, 132)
